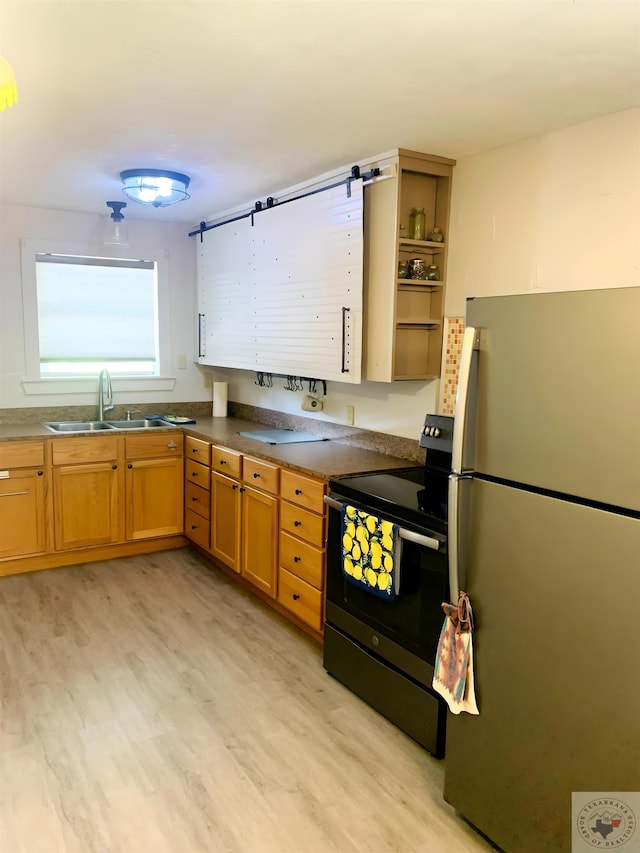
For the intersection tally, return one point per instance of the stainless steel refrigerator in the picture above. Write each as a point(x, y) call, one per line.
point(544, 533)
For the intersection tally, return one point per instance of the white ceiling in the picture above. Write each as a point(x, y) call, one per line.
point(251, 97)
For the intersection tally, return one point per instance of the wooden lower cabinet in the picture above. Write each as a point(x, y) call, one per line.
point(86, 505)
point(302, 547)
point(259, 549)
point(225, 520)
point(154, 498)
point(22, 513)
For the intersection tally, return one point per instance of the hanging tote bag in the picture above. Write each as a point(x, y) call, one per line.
point(453, 673)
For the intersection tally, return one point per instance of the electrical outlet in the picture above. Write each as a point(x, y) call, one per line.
point(208, 379)
point(351, 415)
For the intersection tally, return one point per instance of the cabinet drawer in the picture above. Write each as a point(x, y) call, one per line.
point(226, 461)
point(302, 491)
point(67, 451)
point(154, 446)
point(300, 598)
point(197, 528)
point(261, 474)
point(197, 449)
point(195, 473)
point(302, 560)
point(302, 523)
point(197, 500)
point(21, 454)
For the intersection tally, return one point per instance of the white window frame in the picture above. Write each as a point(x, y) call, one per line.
point(33, 383)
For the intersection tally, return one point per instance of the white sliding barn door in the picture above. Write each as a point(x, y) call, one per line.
point(284, 294)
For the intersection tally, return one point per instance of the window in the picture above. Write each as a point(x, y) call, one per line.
point(84, 311)
point(95, 313)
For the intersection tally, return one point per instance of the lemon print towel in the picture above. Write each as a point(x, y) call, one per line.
point(370, 552)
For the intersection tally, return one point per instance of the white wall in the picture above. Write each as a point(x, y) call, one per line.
point(559, 211)
point(18, 223)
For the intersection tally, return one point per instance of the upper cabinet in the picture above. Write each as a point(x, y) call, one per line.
point(280, 289)
point(403, 310)
point(310, 285)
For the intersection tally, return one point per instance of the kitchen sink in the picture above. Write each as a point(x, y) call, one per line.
point(76, 426)
point(140, 423)
point(94, 426)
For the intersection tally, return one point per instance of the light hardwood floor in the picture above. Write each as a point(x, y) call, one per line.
point(151, 706)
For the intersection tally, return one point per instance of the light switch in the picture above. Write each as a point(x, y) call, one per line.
point(182, 362)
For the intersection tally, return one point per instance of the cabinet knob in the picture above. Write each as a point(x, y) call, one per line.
point(295, 596)
point(242, 488)
point(40, 473)
point(113, 466)
point(297, 559)
point(298, 491)
point(194, 526)
point(194, 499)
point(194, 473)
point(234, 487)
point(128, 466)
point(256, 475)
point(223, 461)
point(194, 449)
point(297, 523)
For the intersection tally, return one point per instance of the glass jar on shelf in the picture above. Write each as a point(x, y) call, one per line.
point(417, 223)
point(433, 272)
point(436, 235)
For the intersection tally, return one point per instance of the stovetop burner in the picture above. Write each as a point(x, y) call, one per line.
point(414, 495)
point(408, 495)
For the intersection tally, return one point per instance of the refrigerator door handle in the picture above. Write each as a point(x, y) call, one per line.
point(465, 396)
point(457, 532)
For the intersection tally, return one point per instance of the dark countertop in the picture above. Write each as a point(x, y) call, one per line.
point(326, 459)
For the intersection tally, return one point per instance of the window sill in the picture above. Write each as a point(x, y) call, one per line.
point(88, 385)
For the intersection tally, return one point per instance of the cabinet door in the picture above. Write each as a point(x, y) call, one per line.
point(225, 520)
point(85, 505)
point(260, 539)
point(154, 498)
point(22, 524)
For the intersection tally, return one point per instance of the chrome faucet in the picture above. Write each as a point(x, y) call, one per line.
point(104, 385)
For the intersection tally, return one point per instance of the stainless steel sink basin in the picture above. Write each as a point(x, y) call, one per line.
point(76, 426)
point(93, 426)
point(140, 423)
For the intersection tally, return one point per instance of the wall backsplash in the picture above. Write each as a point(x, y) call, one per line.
point(453, 334)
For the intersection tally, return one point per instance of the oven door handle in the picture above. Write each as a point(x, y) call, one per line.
point(408, 535)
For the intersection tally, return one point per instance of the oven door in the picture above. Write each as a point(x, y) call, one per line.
point(404, 630)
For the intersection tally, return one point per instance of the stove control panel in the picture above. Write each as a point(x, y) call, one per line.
point(437, 433)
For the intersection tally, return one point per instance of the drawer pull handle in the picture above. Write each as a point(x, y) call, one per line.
point(256, 475)
point(194, 449)
point(194, 499)
point(223, 461)
point(297, 559)
point(297, 523)
point(194, 473)
point(298, 491)
point(295, 596)
point(234, 487)
point(172, 445)
point(194, 526)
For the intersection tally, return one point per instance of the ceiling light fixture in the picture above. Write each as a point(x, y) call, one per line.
point(8, 91)
point(116, 233)
point(154, 186)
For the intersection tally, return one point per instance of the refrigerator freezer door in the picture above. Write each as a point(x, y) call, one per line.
point(554, 588)
point(559, 392)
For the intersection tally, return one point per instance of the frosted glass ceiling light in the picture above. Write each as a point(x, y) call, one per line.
point(116, 233)
point(154, 186)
